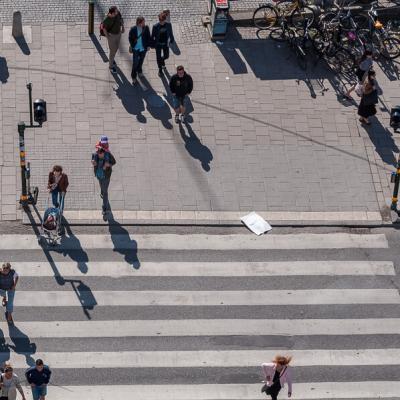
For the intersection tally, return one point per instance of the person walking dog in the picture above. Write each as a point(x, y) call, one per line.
point(139, 41)
point(181, 85)
point(57, 185)
point(8, 282)
point(276, 375)
point(113, 27)
point(161, 36)
point(9, 384)
point(38, 377)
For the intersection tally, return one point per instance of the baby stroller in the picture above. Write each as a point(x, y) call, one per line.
point(51, 228)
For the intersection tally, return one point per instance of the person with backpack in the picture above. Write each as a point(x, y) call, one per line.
point(103, 162)
point(161, 36)
point(8, 282)
point(38, 377)
point(139, 41)
point(112, 27)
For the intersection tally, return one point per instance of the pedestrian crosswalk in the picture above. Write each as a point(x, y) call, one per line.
point(195, 318)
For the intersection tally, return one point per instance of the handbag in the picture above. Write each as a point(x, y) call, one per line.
point(370, 98)
point(130, 47)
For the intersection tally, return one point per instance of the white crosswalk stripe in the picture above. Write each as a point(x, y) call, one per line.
point(191, 357)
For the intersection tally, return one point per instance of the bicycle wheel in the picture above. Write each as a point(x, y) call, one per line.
point(301, 17)
point(265, 17)
point(390, 48)
point(344, 61)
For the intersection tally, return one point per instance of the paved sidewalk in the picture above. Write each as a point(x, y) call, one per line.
point(262, 136)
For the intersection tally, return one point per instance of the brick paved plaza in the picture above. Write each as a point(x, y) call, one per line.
point(272, 138)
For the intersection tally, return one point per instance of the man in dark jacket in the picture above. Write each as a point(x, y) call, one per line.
point(102, 162)
point(139, 40)
point(181, 85)
point(38, 377)
point(161, 36)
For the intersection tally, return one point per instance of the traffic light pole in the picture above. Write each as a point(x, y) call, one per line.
point(395, 196)
point(26, 197)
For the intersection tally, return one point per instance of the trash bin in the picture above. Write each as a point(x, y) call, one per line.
point(219, 18)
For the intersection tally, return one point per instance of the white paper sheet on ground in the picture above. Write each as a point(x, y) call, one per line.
point(256, 224)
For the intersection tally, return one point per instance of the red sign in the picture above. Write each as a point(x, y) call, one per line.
point(222, 3)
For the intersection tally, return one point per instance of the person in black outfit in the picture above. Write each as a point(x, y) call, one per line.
point(181, 85)
point(161, 36)
point(139, 40)
point(369, 98)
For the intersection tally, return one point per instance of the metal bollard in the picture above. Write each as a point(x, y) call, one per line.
point(91, 17)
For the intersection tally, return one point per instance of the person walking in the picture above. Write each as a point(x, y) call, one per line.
point(276, 375)
point(369, 98)
point(113, 27)
point(57, 185)
point(9, 384)
point(181, 85)
point(364, 66)
point(38, 377)
point(161, 36)
point(8, 282)
point(103, 162)
point(139, 41)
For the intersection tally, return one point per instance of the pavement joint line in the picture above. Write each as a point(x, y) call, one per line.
point(219, 217)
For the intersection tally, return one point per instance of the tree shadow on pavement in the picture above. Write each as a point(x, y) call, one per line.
point(195, 148)
point(122, 241)
point(383, 141)
point(131, 96)
point(4, 74)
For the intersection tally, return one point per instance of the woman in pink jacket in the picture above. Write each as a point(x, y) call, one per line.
point(276, 375)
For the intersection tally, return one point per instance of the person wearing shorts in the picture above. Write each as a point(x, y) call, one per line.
point(38, 377)
point(181, 85)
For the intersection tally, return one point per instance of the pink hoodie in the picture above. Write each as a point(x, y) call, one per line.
point(285, 376)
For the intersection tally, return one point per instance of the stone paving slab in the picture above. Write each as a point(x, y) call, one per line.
point(262, 134)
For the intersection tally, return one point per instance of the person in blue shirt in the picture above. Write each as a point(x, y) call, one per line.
point(38, 377)
point(161, 36)
point(139, 40)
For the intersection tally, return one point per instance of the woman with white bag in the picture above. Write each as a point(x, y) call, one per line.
point(364, 66)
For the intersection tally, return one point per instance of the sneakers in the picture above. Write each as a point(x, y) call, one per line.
point(160, 72)
point(177, 120)
point(113, 70)
point(134, 81)
point(183, 119)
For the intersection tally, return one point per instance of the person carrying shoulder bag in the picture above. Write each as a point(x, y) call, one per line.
point(9, 384)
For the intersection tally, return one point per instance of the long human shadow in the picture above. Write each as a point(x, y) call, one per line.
point(99, 47)
point(195, 148)
point(82, 291)
point(383, 141)
point(156, 105)
point(131, 96)
point(21, 42)
point(122, 242)
point(22, 344)
point(4, 74)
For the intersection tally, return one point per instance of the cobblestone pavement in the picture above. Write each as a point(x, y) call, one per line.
point(263, 134)
point(76, 10)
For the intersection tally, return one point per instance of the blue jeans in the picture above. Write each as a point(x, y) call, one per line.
point(10, 299)
point(56, 198)
point(38, 391)
point(138, 58)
